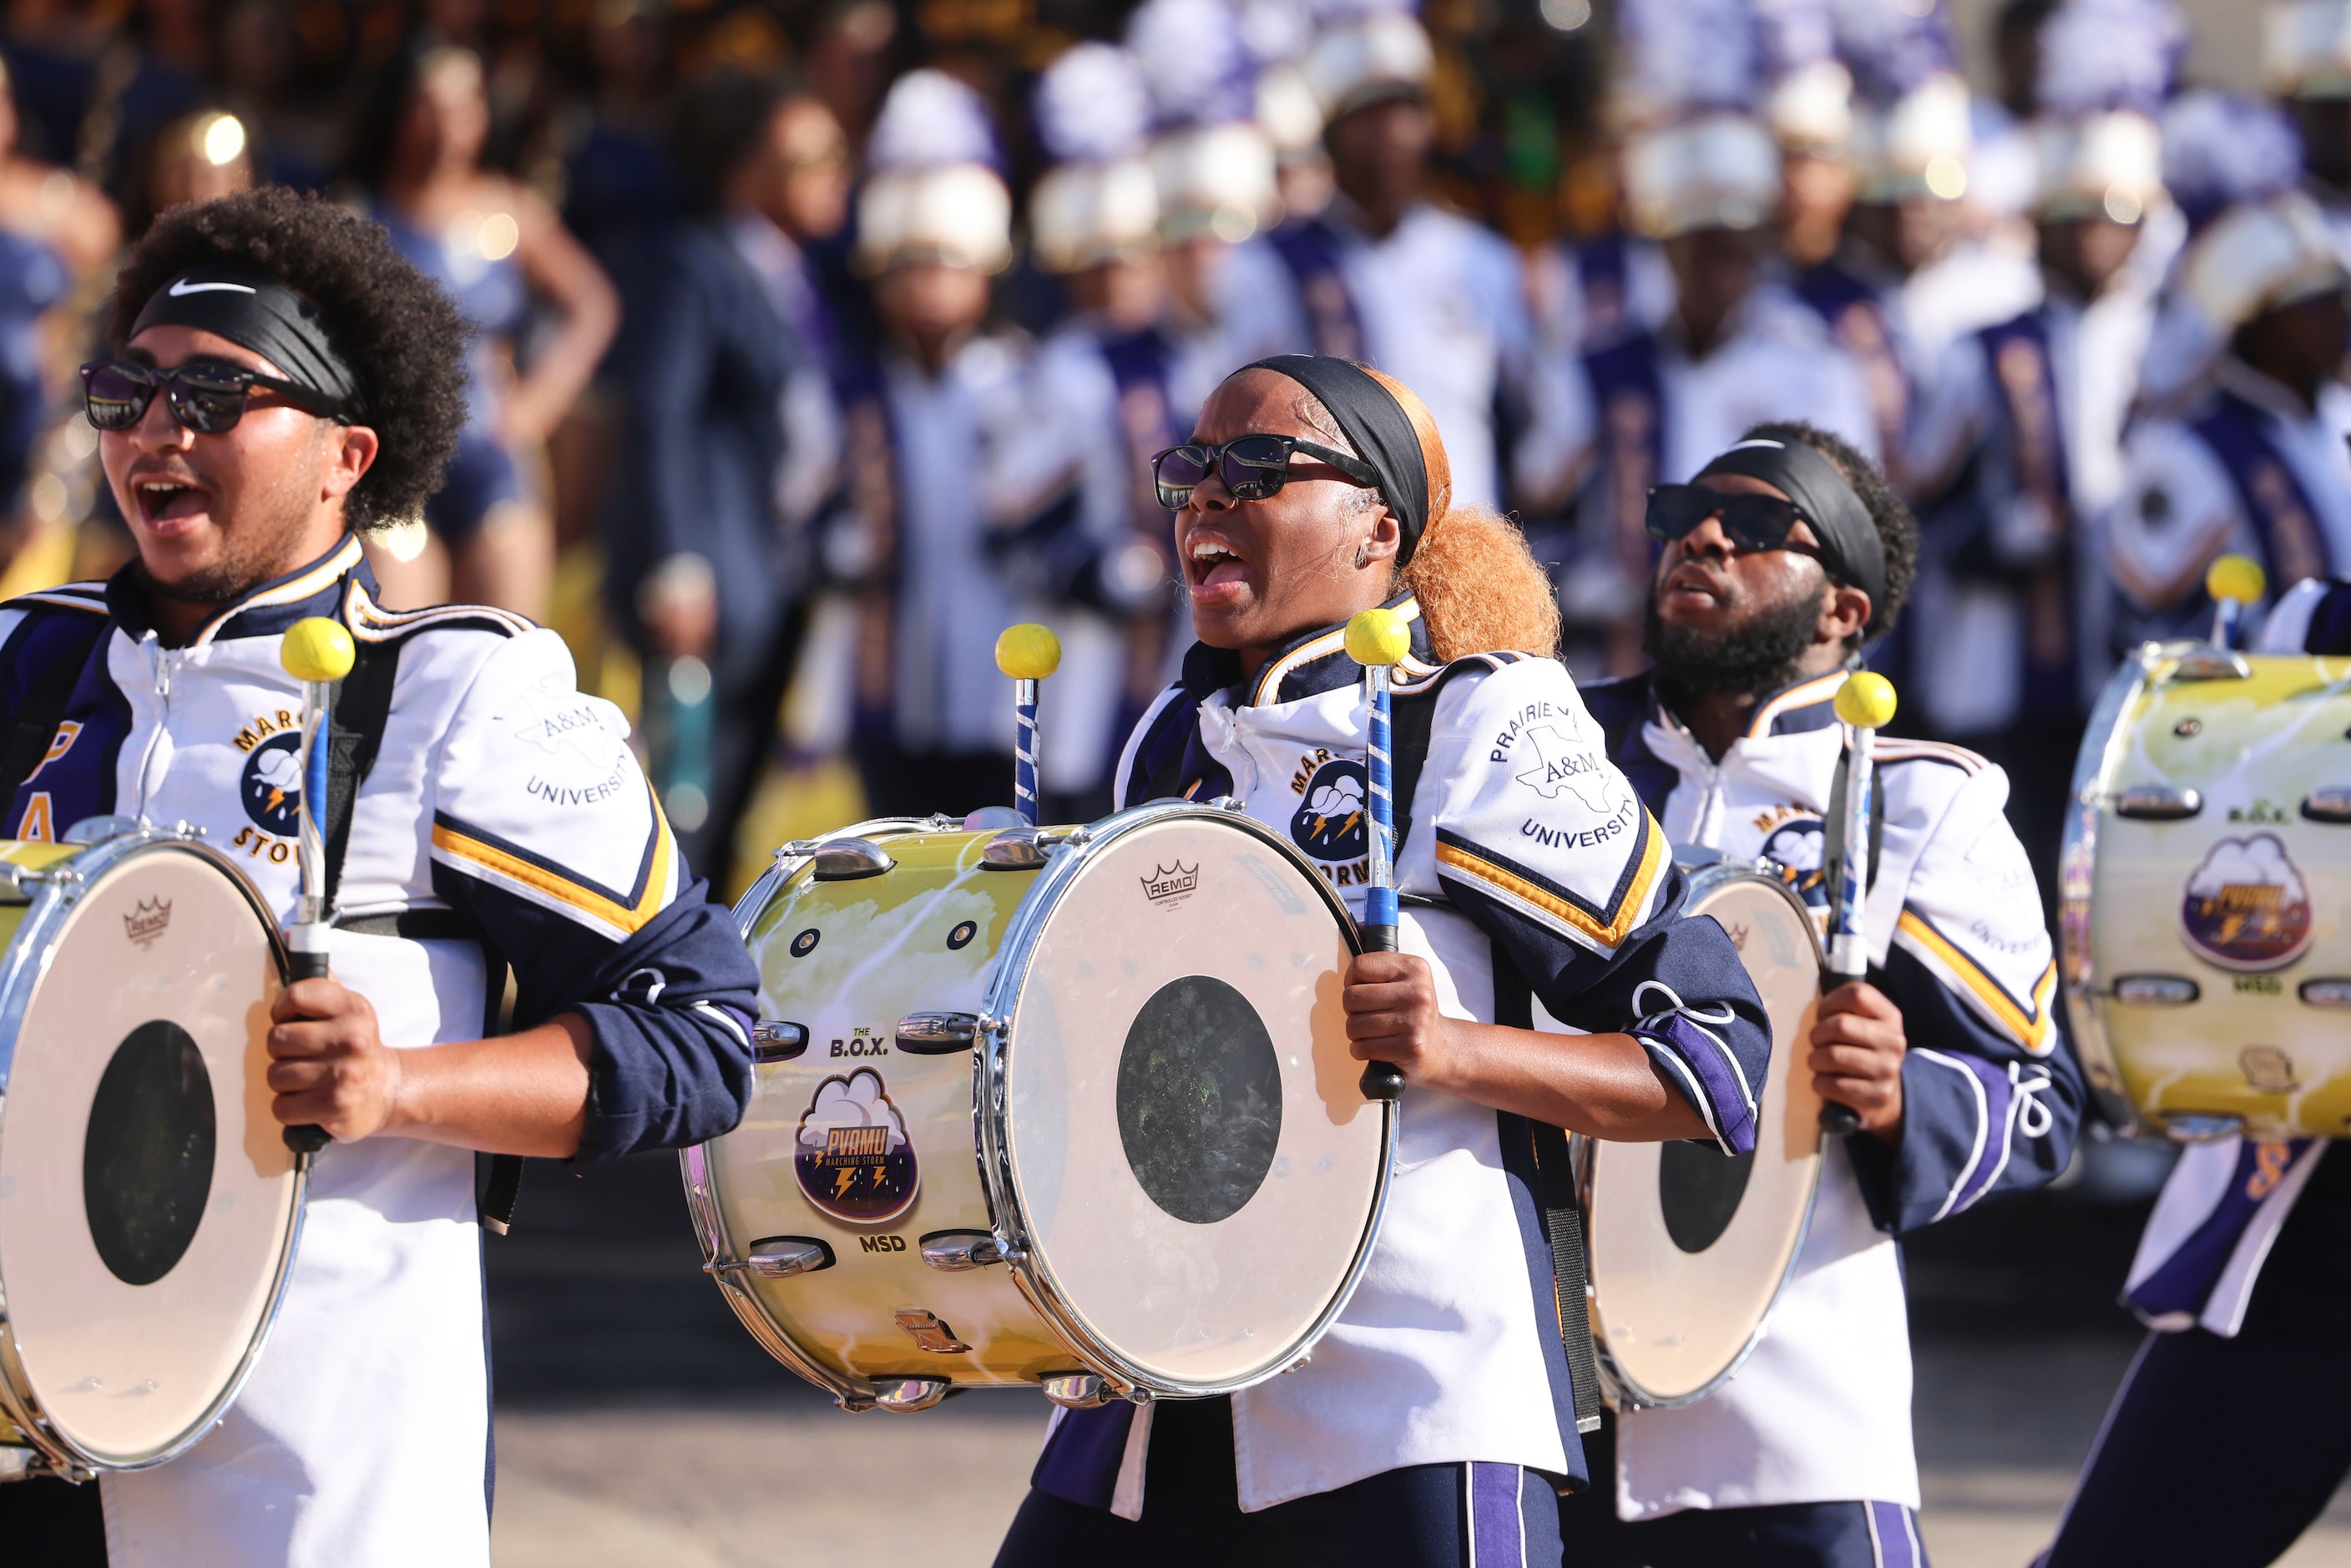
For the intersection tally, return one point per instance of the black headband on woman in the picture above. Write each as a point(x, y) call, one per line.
point(253, 310)
point(1376, 425)
point(1851, 546)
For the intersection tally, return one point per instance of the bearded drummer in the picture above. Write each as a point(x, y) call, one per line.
point(1436, 1420)
point(1786, 554)
point(281, 383)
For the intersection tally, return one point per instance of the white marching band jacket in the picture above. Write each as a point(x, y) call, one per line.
point(504, 806)
point(1821, 1411)
point(1522, 836)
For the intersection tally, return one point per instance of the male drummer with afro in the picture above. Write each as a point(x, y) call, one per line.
point(278, 381)
point(1786, 554)
point(1438, 1419)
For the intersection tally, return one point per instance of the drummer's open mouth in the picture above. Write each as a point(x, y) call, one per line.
point(1695, 588)
point(1212, 567)
point(163, 499)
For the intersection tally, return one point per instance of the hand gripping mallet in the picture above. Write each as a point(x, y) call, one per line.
point(2234, 582)
point(1378, 640)
point(1864, 705)
point(317, 653)
point(1028, 653)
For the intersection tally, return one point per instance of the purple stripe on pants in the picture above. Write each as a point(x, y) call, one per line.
point(1890, 1522)
point(1497, 1533)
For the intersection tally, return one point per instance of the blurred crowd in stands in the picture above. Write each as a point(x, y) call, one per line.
point(818, 341)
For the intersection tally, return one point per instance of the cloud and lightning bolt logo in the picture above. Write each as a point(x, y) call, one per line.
point(1330, 824)
point(852, 1157)
point(271, 788)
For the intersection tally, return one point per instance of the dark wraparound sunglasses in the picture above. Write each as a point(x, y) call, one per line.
point(1252, 467)
point(1751, 522)
point(206, 396)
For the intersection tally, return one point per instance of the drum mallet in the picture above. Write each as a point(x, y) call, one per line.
point(1864, 705)
point(2234, 582)
point(1378, 640)
point(1028, 653)
point(317, 653)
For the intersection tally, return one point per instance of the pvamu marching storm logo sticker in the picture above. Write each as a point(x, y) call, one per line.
point(2246, 906)
point(854, 1158)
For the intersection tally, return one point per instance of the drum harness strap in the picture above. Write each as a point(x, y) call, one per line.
point(362, 707)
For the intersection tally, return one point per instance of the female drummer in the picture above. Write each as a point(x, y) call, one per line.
point(1435, 1421)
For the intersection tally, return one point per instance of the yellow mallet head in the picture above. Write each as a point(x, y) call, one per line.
point(1378, 638)
point(316, 649)
point(1028, 651)
point(1865, 701)
point(2237, 577)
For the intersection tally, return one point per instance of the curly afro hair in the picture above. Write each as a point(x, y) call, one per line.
point(404, 339)
point(1897, 529)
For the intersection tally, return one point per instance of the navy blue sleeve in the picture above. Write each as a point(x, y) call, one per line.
point(1981, 1114)
point(671, 1008)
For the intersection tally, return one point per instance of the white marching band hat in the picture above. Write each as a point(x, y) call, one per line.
point(2109, 163)
point(1718, 170)
point(934, 193)
point(1100, 201)
point(1811, 107)
point(1920, 144)
point(2307, 48)
point(1216, 179)
point(1368, 59)
point(2259, 256)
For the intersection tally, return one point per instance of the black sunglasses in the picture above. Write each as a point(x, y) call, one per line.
point(206, 396)
point(1252, 467)
point(1752, 522)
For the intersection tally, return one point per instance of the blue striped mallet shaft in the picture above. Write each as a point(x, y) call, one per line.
point(317, 653)
point(1028, 653)
point(1864, 705)
point(1378, 640)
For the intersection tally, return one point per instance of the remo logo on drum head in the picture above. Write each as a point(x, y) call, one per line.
point(2246, 906)
point(854, 1158)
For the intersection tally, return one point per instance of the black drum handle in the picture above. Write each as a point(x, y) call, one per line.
point(1382, 1080)
point(306, 1140)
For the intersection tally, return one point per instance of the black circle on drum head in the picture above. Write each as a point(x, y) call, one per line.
point(960, 937)
point(1200, 1098)
point(805, 942)
point(1699, 1188)
point(147, 1158)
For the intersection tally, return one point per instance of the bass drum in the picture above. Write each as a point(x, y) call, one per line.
point(1070, 1107)
point(1690, 1250)
point(2206, 952)
point(148, 1204)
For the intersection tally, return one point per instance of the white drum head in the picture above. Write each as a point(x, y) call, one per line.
point(1198, 1170)
point(147, 1201)
point(1686, 1258)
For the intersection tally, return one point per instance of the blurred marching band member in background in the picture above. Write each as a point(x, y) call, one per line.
point(1383, 275)
point(1649, 408)
point(2257, 463)
point(493, 243)
point(730, 431)
point(2017, 451)
point(954, 509)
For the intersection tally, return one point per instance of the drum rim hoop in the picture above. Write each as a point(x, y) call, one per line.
point(1021, 936)
point(53, 899)
point(2093, 768)
point(1702, 877)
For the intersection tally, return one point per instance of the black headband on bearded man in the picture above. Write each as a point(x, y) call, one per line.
point(1851, 548)
point(1376, 425)
point(253, 310)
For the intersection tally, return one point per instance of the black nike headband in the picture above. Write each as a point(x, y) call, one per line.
point(1376, 425)
point(253, 310)
point(1851, 548)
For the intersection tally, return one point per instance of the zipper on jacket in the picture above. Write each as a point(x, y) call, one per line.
point(147, 780)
